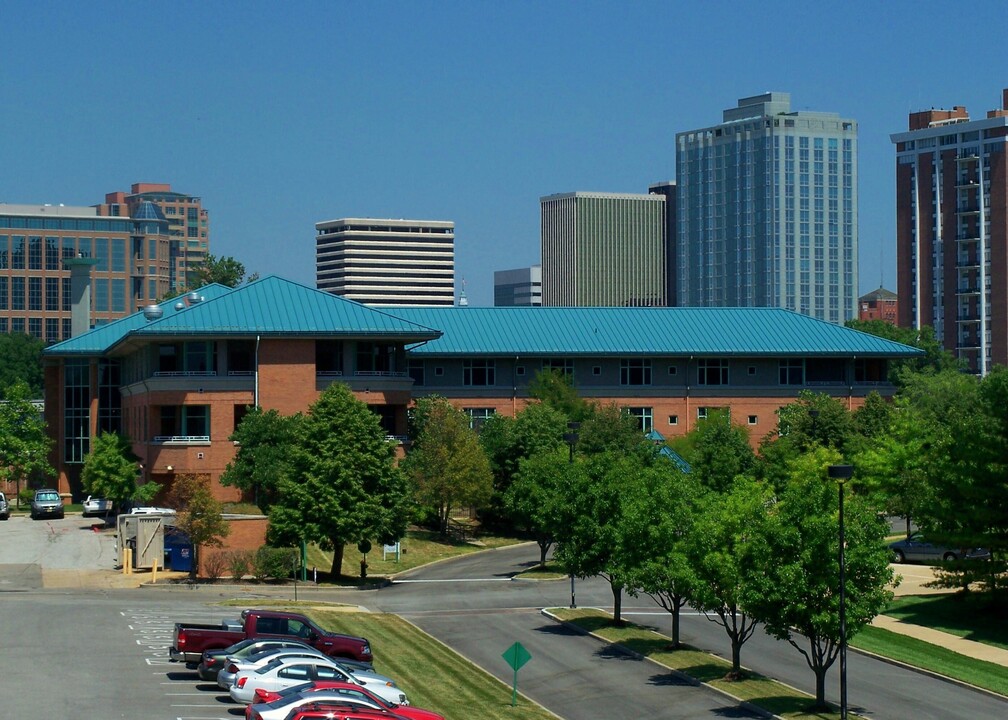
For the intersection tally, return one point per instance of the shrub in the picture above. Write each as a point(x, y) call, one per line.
point(239, 563)
point(26, 495)
point(215, 565)
point(273, 562)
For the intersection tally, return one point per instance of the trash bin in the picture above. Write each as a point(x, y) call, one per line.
point(178, 551)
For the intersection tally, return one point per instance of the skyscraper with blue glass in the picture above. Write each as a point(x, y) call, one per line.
point(767, 211)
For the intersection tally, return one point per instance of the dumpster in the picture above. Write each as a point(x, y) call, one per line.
point(178, 551)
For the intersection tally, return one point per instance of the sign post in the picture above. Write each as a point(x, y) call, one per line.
point(516, 656)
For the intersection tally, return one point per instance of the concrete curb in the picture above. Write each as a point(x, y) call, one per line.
point(678, 673)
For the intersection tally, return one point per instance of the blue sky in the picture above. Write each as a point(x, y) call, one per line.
point(280, 115)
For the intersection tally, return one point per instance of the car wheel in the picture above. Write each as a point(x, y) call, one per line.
point(898, 556)
point(949, 557)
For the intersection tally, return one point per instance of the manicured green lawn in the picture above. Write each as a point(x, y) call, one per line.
point(764, 692)
point(971, 616)
point(419, 547)
point(552, 571)
point(935, 658)
point(432, 676)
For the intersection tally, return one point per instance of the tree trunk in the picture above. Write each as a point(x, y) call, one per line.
point(617, 594)
point(820, 687)
point(337, 560)
point(194, 567)
point(544, 546)
point(675, 624)
point(736, 656)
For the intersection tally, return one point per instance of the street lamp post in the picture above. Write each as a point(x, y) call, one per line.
point(842, 473)
point(571, 439)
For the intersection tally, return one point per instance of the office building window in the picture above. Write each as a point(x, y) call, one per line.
point(52, 259)
point(17, 293)
point(4, 293)
point(34, 293)
point(712, 372)
point(328, 357)
point(416, 371)
point(635, 371)
point(65, 286)
point(35, 327)
point(52, 330)
point(478, 416)
point(101, 295)
point(645, 419)
point(564, 365)
point(52, 294)
point(673, 419)
point(792, 372)
point(478, 372)
point(118, 255)
point(35, 253)
point(17, 252)
point(118, 296)
point(752, 419)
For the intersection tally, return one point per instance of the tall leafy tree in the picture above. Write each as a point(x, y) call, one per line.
point(724, 548)
point(200, 514)
point(657, 519)
point(608, 429)
point(20, 361)
point(343, 485)
point(266, 440)
point(720, 451)
point(446, 462)
point(24, 445)
point(224, 270)
point(111, 471)
point(555, 388)
point(934, 359)
point(589, 515)
point(795, 594)
point(535, 497)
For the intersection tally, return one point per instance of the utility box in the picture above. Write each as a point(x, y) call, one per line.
point(144, 534)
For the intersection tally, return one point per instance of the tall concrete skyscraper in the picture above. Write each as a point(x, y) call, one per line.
point(767, 210)
point(387, 262)
point(952, 230)
point(603, 249)
point(520, 287)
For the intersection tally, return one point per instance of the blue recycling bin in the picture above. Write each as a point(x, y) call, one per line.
point(178, 551)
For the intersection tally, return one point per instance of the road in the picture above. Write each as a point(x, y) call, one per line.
point(102, 653)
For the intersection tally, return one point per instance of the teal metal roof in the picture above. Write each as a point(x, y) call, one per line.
point(597, 331)
point(676, 458)
point(270, 306)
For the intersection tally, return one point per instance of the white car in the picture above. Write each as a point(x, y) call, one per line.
point(233, 666)
point(94, 506)
point(148, 510)
point(280, 674)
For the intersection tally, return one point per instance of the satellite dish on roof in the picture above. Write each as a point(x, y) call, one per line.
point(152, 312)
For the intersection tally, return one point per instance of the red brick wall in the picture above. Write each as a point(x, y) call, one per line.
point(246, 534)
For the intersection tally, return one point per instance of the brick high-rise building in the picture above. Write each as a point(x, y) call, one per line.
point(952, 230)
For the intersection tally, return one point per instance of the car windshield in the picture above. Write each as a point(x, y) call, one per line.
point(47, 496)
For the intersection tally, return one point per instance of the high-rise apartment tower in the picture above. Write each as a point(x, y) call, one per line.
point(387, 262)
point(767, 210)
point(603, 249)
point(952, 230)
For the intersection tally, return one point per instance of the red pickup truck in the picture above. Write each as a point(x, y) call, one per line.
point(191, 640)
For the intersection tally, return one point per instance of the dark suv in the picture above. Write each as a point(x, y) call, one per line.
point(47, 503)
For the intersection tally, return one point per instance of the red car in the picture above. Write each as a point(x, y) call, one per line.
point(355, 691)
point(336, 712)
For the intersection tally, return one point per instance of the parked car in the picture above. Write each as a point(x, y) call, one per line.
point(917, 548)
point(322, 689)
point(227, 674)
point(4, 507)
point(340, 712)
point(95, 506)
point(213, 661)
point(280, 674)
point(286, 706)
point(46, 503)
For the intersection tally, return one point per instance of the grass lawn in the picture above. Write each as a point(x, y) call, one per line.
point(432, 676)
point(920, 654)
point(971, 615)
point(764, 692)
point(552, 571)
point(419, 547)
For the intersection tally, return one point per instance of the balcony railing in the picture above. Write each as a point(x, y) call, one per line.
point(328, 373)
point(181, 439)
point(185, 373)
point(380, 373)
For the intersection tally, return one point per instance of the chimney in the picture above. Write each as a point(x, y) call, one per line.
point(80, 293)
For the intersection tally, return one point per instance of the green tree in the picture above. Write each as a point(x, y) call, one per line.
point(446, 463)
point(589, 515)
point(657, 520)
point(266, 440)
point(223, 270)
point(343, 486)
point(723, 548)
point(608, 429)
point(871, 419)
point(795, 594)
point(200, 514)
point(934, 359)
point(534, 497)
point(111, 471)
point(20, 361)
point(720, 451)
point(24, 445)
point(555, 388)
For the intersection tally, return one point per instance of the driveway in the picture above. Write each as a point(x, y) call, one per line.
point(53, 553)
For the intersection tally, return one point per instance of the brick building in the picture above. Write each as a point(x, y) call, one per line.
point(879, 304)
point(178, 377)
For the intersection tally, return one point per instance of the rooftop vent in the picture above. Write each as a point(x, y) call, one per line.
point(152, 312)
point(193, 298)
point(180, 305)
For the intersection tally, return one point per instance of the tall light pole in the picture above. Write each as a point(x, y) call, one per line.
point(571, 439)
point(842, 473)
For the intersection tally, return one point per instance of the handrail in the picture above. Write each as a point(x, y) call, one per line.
point(180, 439)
